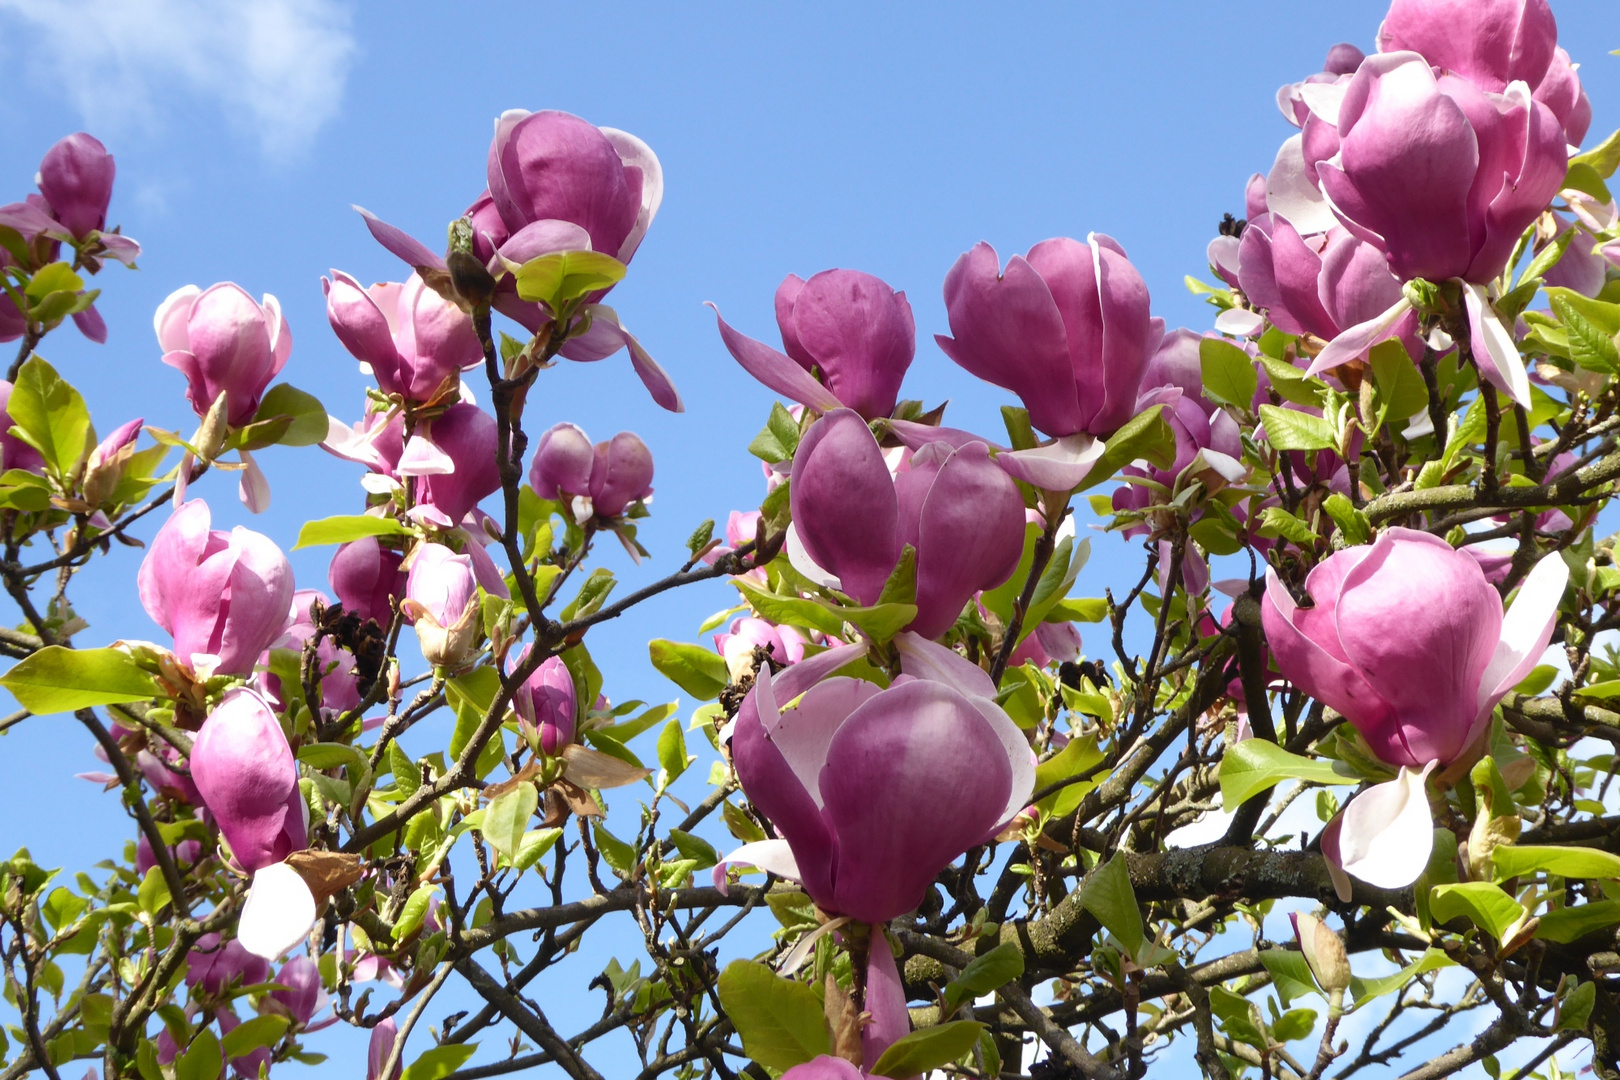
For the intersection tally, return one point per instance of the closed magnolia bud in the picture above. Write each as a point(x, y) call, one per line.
point(225, 596)
point(367, 579)
point(549, 703)
point(76, 178)
point(1066, 328)
point(852, 328)
point(225, 344)
point(1324, 952)
point(441, 600)
point(593, 481)
point(105, 466)
point(248, 779)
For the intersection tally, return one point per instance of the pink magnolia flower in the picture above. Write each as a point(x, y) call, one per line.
point(76, 178)
point(1491, 43)
point(248, 778)
point(368, 579)
point(851, 521)
point(413, 340)
point(223, 343)
point(848, 340)
point(441, 601)
point(850, 774)
point(1408, 641)
point(215, 966)
point(1066, 328)
point(304, 996)
point(593, 481)
point(547, 702)
point(225, 596)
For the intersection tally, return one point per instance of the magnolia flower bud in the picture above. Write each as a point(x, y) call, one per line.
point(599, 481)
point(76, 178)
point(225, 344)
point(105, 466)
point(441, 600)
point(1323, 951)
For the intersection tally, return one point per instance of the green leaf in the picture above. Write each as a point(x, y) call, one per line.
point(1482, 903)
point(346, 527)
point(1401, 389)
point(508, 816)
point(1146, 435)
point(779, 437)
point(700, 537)
point(533, 848)
point(1079, 755)
point(996, 968)
point(1290, 974)
point(203, 1060)
point(58, 679)
point(250, 1035)
point(698, 671)
point(1290, 429)
point(407, 776)
point(153, 895)
point(927, 1049)
point(1275, 520)
point(1253, 765)
point(1540, 678)
point(308, 424)
point(1365, 990)
point(880, 622)
point(779, 1021)
point(1591, 326)
point(1585, 179)
point(617, 854)
point(57, 277)
point(1291, 383)
point(439, 1062)
point(672, 752)
point(562, 276)
point(592, 592)
point(1576, 1008)
point(901, 588)
point(1085, 609)
point(414, 910)
point(790, 609)
point(695, 848)
point(50, 416)
point(1228, 373)
point(1567, 924)
point(1352, 523)
point(1604, 158)
point(1569, 862)
point(1108, 895)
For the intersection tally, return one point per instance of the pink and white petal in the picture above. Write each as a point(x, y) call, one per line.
point(801, 561)
point(1291, 195)
point(253, 488)
point(407, 247)
point(1354, 342)
point(171, 317)
point(771, 856)
point(807, 723)
point(1239, 322)
point(806, 673)
point(1387, 834)
point(1493, 342)
point(422, 457)
point(638, 155)
point(930, 660)
point(1527, 627)
point(916, 436)
point(278, 913)
point(885, 1001)
point(123, 248)
point(1061, 465)
point(653, 376)
point(776, 370)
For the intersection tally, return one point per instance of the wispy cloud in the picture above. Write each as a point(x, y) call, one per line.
point(274, 69)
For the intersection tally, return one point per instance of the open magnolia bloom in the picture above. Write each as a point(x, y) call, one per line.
point(851, 775)
point(1409, 642)
point(248, 779)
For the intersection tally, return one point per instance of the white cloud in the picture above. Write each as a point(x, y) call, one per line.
point(275, 69)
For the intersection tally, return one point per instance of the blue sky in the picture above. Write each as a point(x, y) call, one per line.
point(794, 137)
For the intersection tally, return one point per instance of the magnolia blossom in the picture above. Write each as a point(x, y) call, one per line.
point(850, 774)
point(248, 778)
point(851, 521)
point(76, 178)
point(214, 967)
point(848, 340)
point(304, 996)
point(441, 601)
point(1066, 328)
point(225, 596)
point(223, 343)
point(592, 481)
point(368, 579)
point(412, 340)
point(557, 183)
point(1408, 641)
point(453, 457)
point(547, 702)
point(744, 635)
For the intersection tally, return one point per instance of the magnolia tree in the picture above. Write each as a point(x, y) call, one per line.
point(936, 835)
